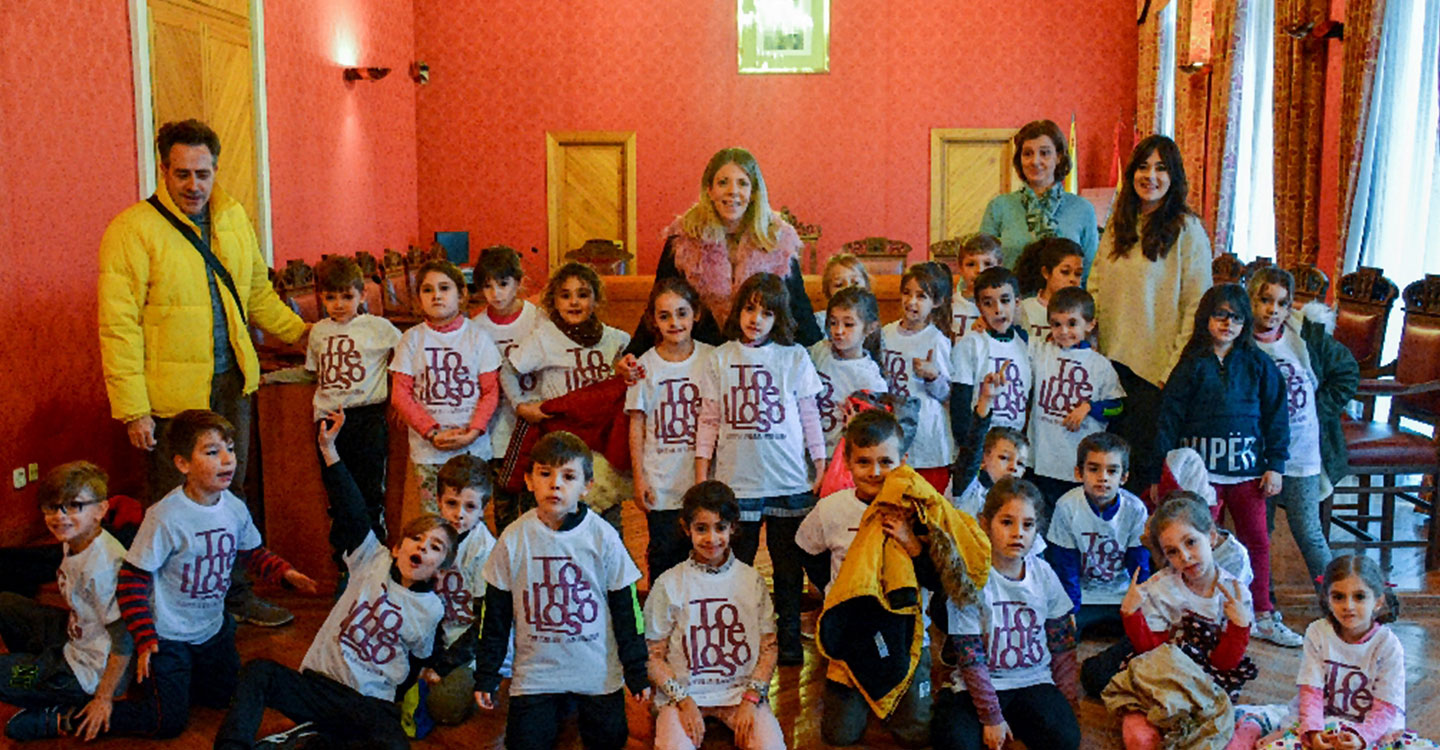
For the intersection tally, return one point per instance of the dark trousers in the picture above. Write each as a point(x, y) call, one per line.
point(1038, 715)
point(845, 713)
point(533, 722)
point(785, 558)
point(228, 400)
point(34, 674)
point(180, 674)
point(1099, 621)
point(364, 447)
point(1137, 425)
point(339, 712)
point(504, 503)
point(1050, 491)
point(668, 545)
point(1097, 671)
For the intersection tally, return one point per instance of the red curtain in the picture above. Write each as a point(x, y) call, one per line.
point(1299, 120)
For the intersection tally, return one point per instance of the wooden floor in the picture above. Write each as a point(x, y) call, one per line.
point(797, 691)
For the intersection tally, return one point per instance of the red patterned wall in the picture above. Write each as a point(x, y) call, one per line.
point(849, 150)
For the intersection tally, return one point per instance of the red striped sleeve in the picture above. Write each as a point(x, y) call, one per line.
point(132, 595)
point(264, 564)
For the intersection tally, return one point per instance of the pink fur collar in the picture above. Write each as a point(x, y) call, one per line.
point(704, 264)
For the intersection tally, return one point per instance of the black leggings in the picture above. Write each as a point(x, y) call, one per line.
point(1038, 715)
point(785, 557)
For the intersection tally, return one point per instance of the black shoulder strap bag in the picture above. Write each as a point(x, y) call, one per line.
point(210, 260)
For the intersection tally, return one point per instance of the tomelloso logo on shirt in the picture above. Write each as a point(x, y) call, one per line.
point(753, 403)
point(1018, 641)
point(590, 367)
point(1010, 398)
point(445, 380)
point(207, 575)
point(829, 414)
point(677, 411)
point(1103, 557)
point(372, 629)
point(1347, 692)
point(1294, 387)
point(562, 601)
point(340, 364)
point(1067, 389)
point(450, 586)
point(897, 373)
point(718, 645)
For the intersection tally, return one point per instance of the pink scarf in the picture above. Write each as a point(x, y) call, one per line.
point(704, 264)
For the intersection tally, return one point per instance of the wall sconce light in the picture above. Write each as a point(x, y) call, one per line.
point(1195, 67)
point(420, 72)
point(365, 74)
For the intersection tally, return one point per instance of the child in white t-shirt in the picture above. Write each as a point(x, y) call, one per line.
point(664, 406)
point(62, 667)
point(388, 614)
point(172, 584)
point(758, 420)
point(1045, 267)
point(710, 628)
point(1004, 455)
point(849, 358)
point(349, 352)
point(978, 252)
point(1076, 389)
point(917, 364)
point(1001, 349)
point(509, 319)
point(446, 383)
point(561, 576)
point(842, 271)
point(1013, 654)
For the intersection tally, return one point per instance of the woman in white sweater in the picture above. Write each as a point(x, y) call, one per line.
point(1152, 266)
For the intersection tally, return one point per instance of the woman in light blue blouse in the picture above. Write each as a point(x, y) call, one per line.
point(1041, 207)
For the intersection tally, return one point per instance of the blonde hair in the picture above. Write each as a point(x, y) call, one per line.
point(850, 262)
point(759, 221)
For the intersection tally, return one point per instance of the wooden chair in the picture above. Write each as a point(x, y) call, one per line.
point(809, 239)
point(881, 255)
point(1311, 283)
point(1363, 302)
point(374, 293)
point(1251, 267)
point(947, 252)
point(1227, 269)
point(297, 288)
point(1390, 451)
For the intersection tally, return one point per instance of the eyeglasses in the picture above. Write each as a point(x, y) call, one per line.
point(1222, 315)
point(69, 508)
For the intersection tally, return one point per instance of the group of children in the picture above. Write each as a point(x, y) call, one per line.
point(986, 386)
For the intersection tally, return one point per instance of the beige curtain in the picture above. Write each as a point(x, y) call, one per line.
point(1147, 93)
point(1362, 48)
point(1299, 119)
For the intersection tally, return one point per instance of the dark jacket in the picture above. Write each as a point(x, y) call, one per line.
point(1233, 412)
point(1337, 376)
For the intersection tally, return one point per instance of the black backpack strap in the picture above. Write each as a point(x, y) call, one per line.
point(214, 264)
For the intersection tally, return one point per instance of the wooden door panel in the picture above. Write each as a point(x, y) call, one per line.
point(968, 167)
point(590, 190)
point(177, 55)
point(230, 110)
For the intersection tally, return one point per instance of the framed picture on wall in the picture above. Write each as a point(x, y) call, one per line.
point(784, 36)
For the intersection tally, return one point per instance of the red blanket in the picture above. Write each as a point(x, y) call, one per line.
point(596, 413)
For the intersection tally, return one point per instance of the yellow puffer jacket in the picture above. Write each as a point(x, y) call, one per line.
point(155, 316)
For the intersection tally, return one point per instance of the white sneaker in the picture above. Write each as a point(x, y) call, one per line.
point(1272, 629)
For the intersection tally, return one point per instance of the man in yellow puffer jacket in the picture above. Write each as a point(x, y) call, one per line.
point(173, 336)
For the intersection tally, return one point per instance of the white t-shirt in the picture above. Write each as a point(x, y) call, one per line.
point(1034, 318)
point(446, 368)
point(1232, 557)
point(1300, 385)
point(713, 623)
point(374, 627)
point(558, 580)
point(838, 379)
point(977, 356)
point(932, 445)
point(87, 584)
point(1101, 543)
point(461, 585)
point(964, 312)
point(1354, 675)
point(1016, 650)
point(1065, 379)
point(349, 361)
point(1165, 600)
point(514, 387)
point(190, 548)
point(831, 527)
point(761, 447)
point(669, 396)
point(563, 365)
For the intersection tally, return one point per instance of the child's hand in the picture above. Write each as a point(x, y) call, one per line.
point(1342, 739)
point(743, 724)
point(996, 736)
point(630, 369)
point(95, 717)
point(1133, 595)
point(1235, 609)
point(430, 676)
point(326, 431)
point(644, 496)
point(897, 526)
point(979, 324)
point(819, 478)
point(926, 368)
point(485, 700)
point(694, 723)
point(1076, 417)
point(531, 412)
point(301, 581)
point(455, 438)
point(142, 661)
point(1271, 482)
point(992, 382)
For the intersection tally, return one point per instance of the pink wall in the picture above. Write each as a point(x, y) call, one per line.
point(849, 150)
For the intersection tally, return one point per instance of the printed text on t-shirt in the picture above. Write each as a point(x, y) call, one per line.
point(562, 601)
point(207, 575)
point(1018, 640)
point(1103, 556)
point(445, 380)
point(341, 365)
point(753, 403)
point(1067, 389)
point(372, 629)
point(717, 642)
point(1347, 692)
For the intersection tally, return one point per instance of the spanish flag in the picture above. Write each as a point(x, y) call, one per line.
point(1072, 180)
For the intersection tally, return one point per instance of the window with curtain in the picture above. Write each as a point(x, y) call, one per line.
point(1253, 212)
point(1165, 81)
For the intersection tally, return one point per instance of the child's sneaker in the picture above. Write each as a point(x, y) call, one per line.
point(1270, 628)
point(298, 736)
point(34, 724)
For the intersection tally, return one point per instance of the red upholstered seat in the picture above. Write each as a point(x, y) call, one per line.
point(1375, 444)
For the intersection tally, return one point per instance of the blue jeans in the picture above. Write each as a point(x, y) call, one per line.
point(34, 674)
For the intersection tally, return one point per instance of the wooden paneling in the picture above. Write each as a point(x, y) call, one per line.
point(590, 185)
point(968, 167)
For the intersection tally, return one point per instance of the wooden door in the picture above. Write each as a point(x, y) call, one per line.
point(201, 67)
point(968, 167)
point(590, 190)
